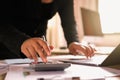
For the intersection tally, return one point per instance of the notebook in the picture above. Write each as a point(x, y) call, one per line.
point(99, 60)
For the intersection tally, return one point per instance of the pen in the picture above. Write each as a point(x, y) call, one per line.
point(43, 37)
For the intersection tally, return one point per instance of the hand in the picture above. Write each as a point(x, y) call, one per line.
point(79, 48)
point(34, 47)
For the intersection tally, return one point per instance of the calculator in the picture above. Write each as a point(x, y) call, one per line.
point(50, 66)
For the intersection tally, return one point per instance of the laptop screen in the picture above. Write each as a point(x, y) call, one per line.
point(91, 22)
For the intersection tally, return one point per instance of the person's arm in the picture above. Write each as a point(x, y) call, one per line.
point(68, 23)
point(17, 41)
point(11, 37)
point(69, 27)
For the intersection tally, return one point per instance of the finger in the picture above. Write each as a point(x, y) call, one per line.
point(78, 49)
point(26, 53)
point(92, 51)
point(47, 50)
point(82, 50)
point(32, 51)
point(45, 47)
point(42, 55)
point(73, 51)
point(51, 47)
point(92, 46)
point(88, 52)
point(40, 52)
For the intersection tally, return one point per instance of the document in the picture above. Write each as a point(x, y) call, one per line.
point(82, 72)
point(74, 71)
point(3, 68)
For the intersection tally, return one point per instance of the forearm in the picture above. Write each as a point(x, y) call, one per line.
point(71, 34)
point(68, 21)
point(11, 37)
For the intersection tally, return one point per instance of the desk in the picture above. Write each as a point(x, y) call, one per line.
point(83, 72)
point(2, 77)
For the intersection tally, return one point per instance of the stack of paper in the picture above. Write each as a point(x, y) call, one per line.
point(3, 68)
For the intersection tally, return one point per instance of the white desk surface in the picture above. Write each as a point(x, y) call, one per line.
point(83, 72)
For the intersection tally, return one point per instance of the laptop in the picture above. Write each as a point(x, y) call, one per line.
point(91, 22)
point(99, 60)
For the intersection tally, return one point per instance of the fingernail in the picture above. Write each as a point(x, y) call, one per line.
point(45, 60)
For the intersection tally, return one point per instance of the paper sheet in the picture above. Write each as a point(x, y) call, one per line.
point(80, 71)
